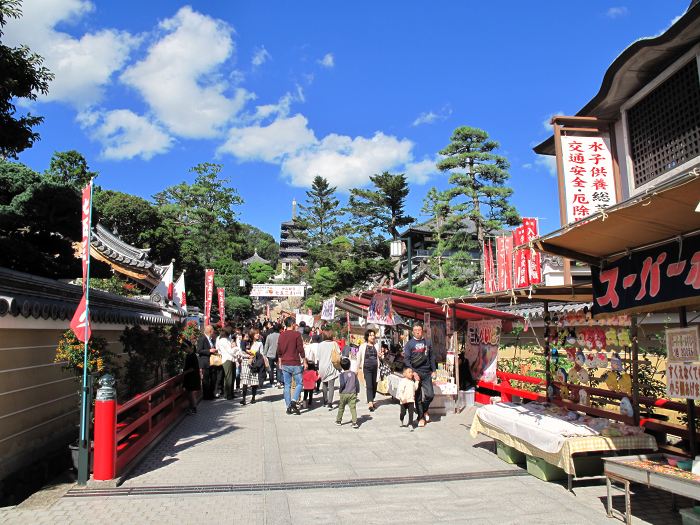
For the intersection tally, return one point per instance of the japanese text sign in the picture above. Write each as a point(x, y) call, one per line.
point(589, 183)
point(651, 277)
point(481, 351)
point(682, 344)
point(328, 309)
point(277, 290)
point(683, 380)
point(208, 294)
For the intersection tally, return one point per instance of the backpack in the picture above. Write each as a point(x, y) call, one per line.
point(335, 357)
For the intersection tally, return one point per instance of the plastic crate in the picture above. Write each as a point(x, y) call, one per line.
point(690, 516)
point(588, 466)
point(509, 454)
point(542, 470)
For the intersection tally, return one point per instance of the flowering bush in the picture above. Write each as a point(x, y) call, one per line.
point(189, 332)
point(70, 352)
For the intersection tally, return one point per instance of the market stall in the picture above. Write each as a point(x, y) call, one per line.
point(443, 322)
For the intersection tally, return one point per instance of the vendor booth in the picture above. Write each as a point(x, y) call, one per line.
point(445, 325)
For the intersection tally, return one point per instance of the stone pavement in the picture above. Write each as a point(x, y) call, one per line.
point(256, 464)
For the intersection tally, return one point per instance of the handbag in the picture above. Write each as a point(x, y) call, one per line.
point(419, 359)
point(335, 357)
point(215, 360)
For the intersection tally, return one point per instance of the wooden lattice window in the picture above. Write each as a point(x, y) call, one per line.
point(664, 127)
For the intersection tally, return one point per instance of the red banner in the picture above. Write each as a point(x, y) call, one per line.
point(347, 317)
point(535, 264)
point(222, 305)
point(208, 294)
point(522, 261)
point(85, 244)
point(504, 252)
point(488, 268)
point(80, 321)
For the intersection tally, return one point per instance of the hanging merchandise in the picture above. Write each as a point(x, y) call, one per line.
point(583, 397)
point(580, 358)
point(626, 407)
point(611, 381)
point(623, 337)
point(583, 376)
point(561, 375)
point(564, 392)
point(626, 384)
point(601, 360)
point(616, 362)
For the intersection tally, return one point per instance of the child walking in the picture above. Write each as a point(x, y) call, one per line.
point(349, 388)
point(308, 380)
point(406, 393)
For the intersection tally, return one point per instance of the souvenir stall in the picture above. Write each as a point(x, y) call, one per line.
point(442, 323)
point(645, 257)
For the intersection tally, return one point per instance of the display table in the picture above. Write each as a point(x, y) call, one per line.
point(547, 440)
point(651, 470)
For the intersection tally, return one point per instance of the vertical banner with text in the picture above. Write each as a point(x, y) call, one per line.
point(533, 256)
point(220, 293)
point(521, 278)
point(488, 268)
point(80, 323)
point(208, 294)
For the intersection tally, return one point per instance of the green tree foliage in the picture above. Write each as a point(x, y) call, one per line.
point(71, 168)
point(324, 281)
point(320, 221)
point(39, 221)
point(264, 243)
point(441, 289)
point(22, 77)
point(478, 192)
point(380, 209)
point(260, 273)
point(437, 206)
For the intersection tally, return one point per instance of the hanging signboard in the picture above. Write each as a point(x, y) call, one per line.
point(328, 309)
point(483, 338)
point(663, 275)
point(682, 344)
point(308, 320)
point(533, 256)
point(277, 290)
point(589, 184)
point(683, 380)
point(438, 338)
point(208, 294)
point(380, 311)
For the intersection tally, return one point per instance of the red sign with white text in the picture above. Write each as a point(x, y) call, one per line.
point(80, 322)
point(521, 278)
point(85, 222)
point(530, 229)
point(208, 294)
point(222, 305)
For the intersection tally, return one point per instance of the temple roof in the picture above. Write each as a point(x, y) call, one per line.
point(255, 258)
point(124, 258)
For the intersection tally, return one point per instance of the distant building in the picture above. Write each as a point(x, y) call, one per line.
point(292, 252)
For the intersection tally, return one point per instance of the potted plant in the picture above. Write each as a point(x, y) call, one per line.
point(70, 353)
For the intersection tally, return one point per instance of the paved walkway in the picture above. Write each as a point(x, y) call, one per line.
point(256, 464)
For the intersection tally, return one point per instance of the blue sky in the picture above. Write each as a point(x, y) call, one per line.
point(280, 91)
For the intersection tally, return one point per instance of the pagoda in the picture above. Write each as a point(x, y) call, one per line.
point(292, 253)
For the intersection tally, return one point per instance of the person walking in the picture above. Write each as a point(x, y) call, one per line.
point(406, 394)
point(192, 382)
point(270, 349)
point(290, 354)
point(349, 388)
point(368, 366)
point(205, 348)
point(226, 348)
point(418, 355)
point(326, 369)
point(251, 361)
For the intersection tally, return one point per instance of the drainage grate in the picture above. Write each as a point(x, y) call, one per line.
point(289, 485)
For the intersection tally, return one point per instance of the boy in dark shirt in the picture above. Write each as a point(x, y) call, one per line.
point(349, 388)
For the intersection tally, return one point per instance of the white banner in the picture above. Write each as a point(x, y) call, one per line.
point(277, 290)
point(683, 380)
point(588, 176)
point(483, 338)
point(328, 310)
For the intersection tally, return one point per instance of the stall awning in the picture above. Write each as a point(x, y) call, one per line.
point(656, 216)
point(576, 292)
point(415, 306)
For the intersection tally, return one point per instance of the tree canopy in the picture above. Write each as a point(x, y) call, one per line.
point(23, 77)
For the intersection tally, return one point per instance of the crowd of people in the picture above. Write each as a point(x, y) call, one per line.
point(238, 360)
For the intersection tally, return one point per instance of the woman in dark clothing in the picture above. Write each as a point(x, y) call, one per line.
point(192, 382)
point(368, 366)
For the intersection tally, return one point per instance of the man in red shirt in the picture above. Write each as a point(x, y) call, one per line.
point(290, 356)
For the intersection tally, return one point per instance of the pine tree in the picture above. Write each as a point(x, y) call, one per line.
point(478, 192)
point(437, 206)
point(320, 216)
point(380, 209)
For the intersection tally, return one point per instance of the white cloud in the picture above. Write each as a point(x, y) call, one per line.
point(548, 163)
point(617, 12)
point(547, 122)
point(82, 66)
point(285, 136)
point(431, 117)
point(260, 56)
point(328, 61)
point(345, 161)
point(125, 135)
point(420, 172)
point(179, 76)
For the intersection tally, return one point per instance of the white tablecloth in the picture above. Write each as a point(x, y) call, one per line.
point(545, 432)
